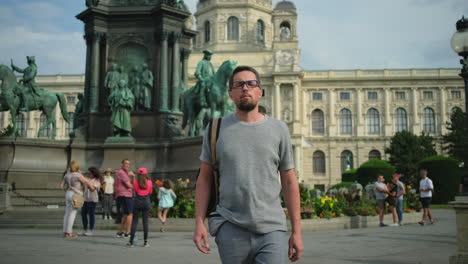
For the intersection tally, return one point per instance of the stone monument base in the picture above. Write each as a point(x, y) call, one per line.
point(461, 209)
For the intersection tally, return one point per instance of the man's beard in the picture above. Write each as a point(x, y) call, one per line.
point(246, 106)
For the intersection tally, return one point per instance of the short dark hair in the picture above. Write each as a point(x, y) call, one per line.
point(422, 170)
point(125, 160)
point(241, 69)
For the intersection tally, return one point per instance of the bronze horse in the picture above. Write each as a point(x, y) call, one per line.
point(46, 102)
point(216, 97)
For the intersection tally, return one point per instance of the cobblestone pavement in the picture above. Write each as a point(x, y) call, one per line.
point(411, 244)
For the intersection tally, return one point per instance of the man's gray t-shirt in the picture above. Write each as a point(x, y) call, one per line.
point(400, 188)
point(250, 156)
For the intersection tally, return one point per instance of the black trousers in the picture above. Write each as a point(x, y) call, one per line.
point(141, 205)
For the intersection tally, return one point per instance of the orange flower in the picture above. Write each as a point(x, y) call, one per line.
point(159, 183)
point(321, 215)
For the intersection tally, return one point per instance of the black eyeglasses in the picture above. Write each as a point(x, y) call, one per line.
point(251, 84)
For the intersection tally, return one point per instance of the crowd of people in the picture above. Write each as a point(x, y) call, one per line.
point(131, 193)
point(392, 193)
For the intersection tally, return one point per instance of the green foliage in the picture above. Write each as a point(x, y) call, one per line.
point(328, 207)
point(7, 131)
point(349, 175)
point(341, 184)
point(411, 199)
point(456, 141)
point(406, 150)
point(369, 171)
point(362, 207)
point(304, 194)
point(445, 175)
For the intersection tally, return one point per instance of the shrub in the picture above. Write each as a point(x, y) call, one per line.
point(328, 207)
point(341, 185)
point(362, 207)
point(445, 175)
point(349, 176)
point(369, 171)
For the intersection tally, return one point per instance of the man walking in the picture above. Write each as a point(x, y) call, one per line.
point(249, 223)
point(123, 190)
point(380, 195)
point(399, 195)
point(426, 188)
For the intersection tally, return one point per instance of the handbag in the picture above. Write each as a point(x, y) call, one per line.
point(77, 201)
point(214, 128)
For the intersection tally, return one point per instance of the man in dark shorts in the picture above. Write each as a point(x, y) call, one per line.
point(123, 189)
point(426, 188)
point(380, 195)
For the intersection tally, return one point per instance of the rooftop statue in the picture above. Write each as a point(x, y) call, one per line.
point(121, 102)
point(30, 95)
point(216, 86)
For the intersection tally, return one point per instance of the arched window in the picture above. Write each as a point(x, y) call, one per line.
point(346, 160)
point(375, 154)
point(233, 28)
point(319, 162)
point(318, 122)
point(207, 28)
point(401, 120)
point(346, 122)
point(428, 120)
point(260, 31)
point(69, 125)
point(373, 121)
point(21, 124)
point(46, 131)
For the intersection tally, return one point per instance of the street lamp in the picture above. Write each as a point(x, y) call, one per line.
point(460, 46)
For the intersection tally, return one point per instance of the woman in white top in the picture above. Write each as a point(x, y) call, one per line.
point(108, 199)
point(72, 183)
point(91, 198)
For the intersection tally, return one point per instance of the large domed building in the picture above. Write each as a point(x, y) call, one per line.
point(338, 119)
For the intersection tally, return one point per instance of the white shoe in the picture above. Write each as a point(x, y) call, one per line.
point(89, 233)
point(83, 233)
point(393, 225)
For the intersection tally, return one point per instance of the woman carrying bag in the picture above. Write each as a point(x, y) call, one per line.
point(72, 183)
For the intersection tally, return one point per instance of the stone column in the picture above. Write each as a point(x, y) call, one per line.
point(331, 116)
point(95, 70)
point(360, 126)
point(414, 108)
point(442, 111)
point(86, 94)
point(185, 56)
point(163, 86)
point(30, 129)
point(277, 101)
point(296, 101)
point(461, 209)
point(175, 72)
point(387, 118)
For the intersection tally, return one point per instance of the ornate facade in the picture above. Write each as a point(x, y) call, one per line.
point(338, 119)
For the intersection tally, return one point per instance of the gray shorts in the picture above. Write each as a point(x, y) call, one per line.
point(237, 245)
point(381, 203)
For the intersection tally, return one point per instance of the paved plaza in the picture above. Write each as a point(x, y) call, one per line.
point(411, 244)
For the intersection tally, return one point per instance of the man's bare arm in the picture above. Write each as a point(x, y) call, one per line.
point(202, 196)
point(293, 203)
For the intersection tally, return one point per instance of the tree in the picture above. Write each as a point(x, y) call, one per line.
point(407, 150)
point(456, 141)
point(445, 174)
point(368, 171)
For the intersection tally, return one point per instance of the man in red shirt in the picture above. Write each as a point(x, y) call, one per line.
point(123, 190)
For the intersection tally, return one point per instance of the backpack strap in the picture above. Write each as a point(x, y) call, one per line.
point(215, 125)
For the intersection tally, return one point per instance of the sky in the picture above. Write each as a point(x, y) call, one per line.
point(333, 34)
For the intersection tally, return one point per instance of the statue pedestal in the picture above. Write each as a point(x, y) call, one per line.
point(116, 149)
point(461, 209)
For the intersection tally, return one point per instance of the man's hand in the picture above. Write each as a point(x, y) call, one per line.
point(200, 238)
point(131, 174)
point(296, 246)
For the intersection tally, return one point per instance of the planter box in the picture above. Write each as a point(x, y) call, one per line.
point(340, 223)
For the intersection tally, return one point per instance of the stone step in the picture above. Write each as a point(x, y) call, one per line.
point(41, 192)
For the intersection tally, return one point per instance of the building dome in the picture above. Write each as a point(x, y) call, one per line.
point(285, 5)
